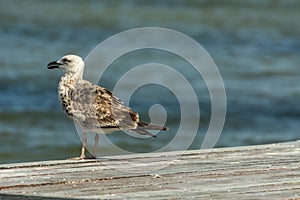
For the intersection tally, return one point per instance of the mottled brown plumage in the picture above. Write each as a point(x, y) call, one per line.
point(94, 108)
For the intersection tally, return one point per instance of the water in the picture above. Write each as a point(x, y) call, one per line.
point(255, 45)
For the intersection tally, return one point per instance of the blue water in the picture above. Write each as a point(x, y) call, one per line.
point(255, 45)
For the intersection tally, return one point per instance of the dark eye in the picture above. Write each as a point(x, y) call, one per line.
point(65, 60)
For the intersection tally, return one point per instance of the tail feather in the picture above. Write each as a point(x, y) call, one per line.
point(149, 126)
point(142, 126)
point(143, 132)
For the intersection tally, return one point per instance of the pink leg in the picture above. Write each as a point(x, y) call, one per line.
point(82, 155)
point(95, 145)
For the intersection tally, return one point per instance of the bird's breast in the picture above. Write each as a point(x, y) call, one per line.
point(65, 97)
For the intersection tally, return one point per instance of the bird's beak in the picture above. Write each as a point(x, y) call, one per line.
point(53, 65)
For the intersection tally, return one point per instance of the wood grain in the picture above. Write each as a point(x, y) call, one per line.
point(255, 172)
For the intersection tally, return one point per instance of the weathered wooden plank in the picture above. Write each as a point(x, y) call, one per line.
point(254, 172)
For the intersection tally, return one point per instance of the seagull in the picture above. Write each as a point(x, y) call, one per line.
point(94, 108)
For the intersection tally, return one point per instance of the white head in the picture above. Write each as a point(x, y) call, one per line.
point(69, 63)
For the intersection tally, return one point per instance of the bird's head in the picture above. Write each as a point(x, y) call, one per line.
point(69, 63)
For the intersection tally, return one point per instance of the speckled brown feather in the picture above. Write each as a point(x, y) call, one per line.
point(95, 107)
point(100, 108)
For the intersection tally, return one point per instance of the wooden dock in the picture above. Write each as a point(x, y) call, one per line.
point(254, 172)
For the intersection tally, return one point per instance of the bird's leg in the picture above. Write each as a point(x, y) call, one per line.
point(95, 144)
point(82, 155)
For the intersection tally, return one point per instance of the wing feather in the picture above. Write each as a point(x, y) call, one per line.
point(101, 107)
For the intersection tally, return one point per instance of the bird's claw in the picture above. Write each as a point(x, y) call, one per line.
point(83, 158)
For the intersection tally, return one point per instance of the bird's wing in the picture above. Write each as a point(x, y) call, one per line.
point(101, 108)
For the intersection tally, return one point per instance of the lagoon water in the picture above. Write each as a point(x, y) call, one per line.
point(255, 44)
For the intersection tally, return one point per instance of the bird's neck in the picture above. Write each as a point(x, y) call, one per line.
point(66, 88)
point(69, 79)
point(67, 84)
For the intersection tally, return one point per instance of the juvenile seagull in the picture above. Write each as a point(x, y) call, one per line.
point(94, 108)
